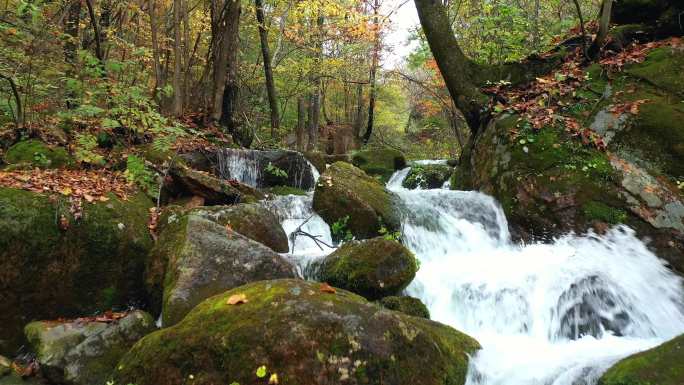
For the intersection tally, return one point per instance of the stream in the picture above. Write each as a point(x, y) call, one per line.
point(559, 313)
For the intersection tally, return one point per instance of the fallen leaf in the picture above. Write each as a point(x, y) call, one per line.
point(273, 380)
point(237, 299)
point(325, 288)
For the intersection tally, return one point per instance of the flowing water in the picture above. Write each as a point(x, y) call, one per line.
point(545, 314)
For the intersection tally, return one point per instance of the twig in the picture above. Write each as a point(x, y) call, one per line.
point(316, 238)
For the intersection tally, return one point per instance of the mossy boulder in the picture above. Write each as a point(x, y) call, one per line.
point(374, 268)
point(84, 352)
point(34, 153)
point(661, 365)
point(430, 176)
point(302, 335)
point(663, 68)
point(285, 190)
point(407, 305)
point(203, 258)
point(346, 191)
point(379, 162)
point(253, 221)
point(48, 271)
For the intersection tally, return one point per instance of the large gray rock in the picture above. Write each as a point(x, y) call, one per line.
point(204, 258)
point(254, 221)
point(85, 352)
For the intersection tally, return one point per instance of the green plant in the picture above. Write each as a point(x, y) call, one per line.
point(41, 159)
point(275, 171)
point(340, 232)
point(85, 146)
point(389, 235)
point(143, 177)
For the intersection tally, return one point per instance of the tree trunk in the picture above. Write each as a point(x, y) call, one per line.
point(231, 93)
point(156, 66)
point(373, 72)
point(19, 115)
point(71, 29)
point(177, 59)
point(301, 123)
point(268, 71)
point(456, 68)
point(358, 118)
point(604, 26)
point(95, 24)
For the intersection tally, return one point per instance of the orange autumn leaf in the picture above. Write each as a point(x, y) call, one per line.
point(325, 288)
point(237, 299)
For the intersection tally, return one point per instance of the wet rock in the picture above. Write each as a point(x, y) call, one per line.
point(661, 365)
point(253, 221)
point(430, 176)
point(188, 182)
point(407, 305)
point(374, 268)
point(345, 193)
point(34, 153)
point(94, 264)
point(291, 330)
point(380, 162)
point(203, 258)
point(85, 352)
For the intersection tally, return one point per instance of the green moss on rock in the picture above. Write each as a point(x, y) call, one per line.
point(380, 162)
point(344, 190)
point(46, 272)
point(663, 68)
point(407, 305)
point(661, 365)
point(37, 154)
point(429, 176)
point(285, 190)
point(303, 335)
point(373, 268)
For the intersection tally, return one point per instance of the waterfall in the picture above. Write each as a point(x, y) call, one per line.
point(545, 314)
point(241, 165)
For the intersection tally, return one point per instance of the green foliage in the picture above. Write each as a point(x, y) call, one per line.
point(275, 171)
point(389, 235)
point(86, 143)
point(340, 231)
point(137, 172)
point(600, 211)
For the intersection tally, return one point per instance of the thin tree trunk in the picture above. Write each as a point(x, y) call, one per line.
point(604, 26)
point(177, 59)
point(96, 31)
point(584, 34)
point(301, 123)
point(358, 118)
point(19, 115)
point(268, 71)
point(311, 127)
point(71, 29)
point(156, 66)
point(536, 37)
point(373, 72)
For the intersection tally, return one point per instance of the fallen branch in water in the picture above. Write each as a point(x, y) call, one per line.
point(316, 238)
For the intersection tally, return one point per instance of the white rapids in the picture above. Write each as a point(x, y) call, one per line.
point(545, 314)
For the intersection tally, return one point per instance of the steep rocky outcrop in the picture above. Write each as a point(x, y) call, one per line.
point(53, 265)
point(373, 268)
point(292, 332)
point(345, 193)
point(550, 183)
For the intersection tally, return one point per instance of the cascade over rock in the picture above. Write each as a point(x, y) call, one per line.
point(550, 184)
point(302, 335)
point(373, 268)
point(196, 258)
point(96, 263)
point(346, 191)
